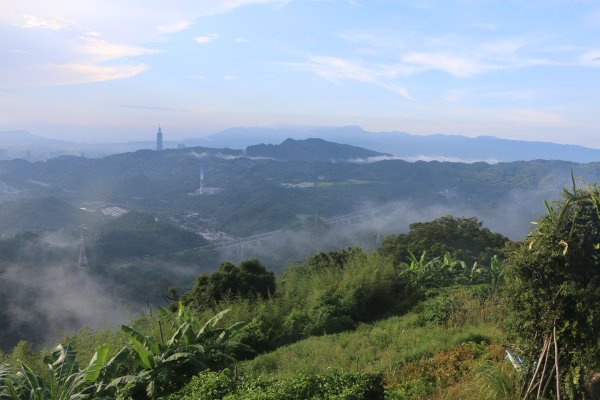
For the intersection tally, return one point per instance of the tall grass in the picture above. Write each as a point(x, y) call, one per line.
point(419, 359)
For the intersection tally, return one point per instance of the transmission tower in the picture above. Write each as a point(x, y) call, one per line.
point(201, 188)
point(83, 262)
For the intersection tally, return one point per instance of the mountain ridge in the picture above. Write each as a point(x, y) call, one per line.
point(403, 145)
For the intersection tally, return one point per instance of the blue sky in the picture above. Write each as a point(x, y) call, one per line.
point(112, 70)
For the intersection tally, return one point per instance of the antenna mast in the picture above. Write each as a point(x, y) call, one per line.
point(83, 262)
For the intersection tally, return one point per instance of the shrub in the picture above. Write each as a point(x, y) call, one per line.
point(553, 280)
point(335, 386)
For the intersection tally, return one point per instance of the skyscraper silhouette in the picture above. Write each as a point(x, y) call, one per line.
point(159, 138)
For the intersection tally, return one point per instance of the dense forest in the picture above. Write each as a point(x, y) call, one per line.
point(447, 310)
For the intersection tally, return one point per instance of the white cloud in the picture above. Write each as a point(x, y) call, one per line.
point(95, 39)
point(108, 51)
point(206, 38)
point(82, 73)
point(384, 59)
point(454, 54)
point(33, 22)
point(172, 28)
point(460, 67)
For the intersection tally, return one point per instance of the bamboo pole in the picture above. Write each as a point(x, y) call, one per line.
point(545, 349)
point(556, 362)
point(539, 391)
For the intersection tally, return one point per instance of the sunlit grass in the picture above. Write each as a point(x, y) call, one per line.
point(417, 360)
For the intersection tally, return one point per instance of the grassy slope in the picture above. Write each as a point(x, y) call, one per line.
point(461, 358)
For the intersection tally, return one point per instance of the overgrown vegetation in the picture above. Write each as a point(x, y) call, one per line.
point(352, 324)
point(553, 295)
point(335, 386)
point(250, 280)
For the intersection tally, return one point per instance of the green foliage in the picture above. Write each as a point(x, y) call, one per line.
point(553, 278)
point(445, 271)
point(194, 347)
point(249, 280)
point(63, 380)
point(333, 386)
point(464, 238)
point(394, 340)
point(335, 291)
point(332, 259)
point(328, 294)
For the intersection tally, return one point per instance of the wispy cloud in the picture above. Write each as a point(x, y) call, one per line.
point(389, 60)
point(206, 38)
point(173, 28)
point(96, 45)
point(72, 74)
point(460, 67)
point(108, 51)
point(33, 22)
point(337, 69)
point(591, 58)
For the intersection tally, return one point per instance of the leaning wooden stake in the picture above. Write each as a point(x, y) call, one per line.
point(545, 349)
point(556, 362)
point(540, 383)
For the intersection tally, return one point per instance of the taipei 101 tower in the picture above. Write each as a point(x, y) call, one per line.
point(159, 140)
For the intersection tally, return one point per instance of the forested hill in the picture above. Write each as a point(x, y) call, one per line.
point(256, 195)
point(311, 150)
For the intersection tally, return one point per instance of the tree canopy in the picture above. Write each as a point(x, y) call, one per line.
point(249, 280)
point(464, 238)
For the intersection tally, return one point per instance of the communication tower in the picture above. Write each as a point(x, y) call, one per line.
point(83, 262)
point(201, 188)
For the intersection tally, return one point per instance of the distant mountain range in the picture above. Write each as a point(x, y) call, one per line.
point(22, 144)
point(410, 147)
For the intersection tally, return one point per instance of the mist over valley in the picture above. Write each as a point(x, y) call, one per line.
point(149, 221)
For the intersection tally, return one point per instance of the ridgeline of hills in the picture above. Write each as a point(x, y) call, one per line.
point(22, 144)
point(311, 149)
point(38, 214)
point(407, 146)
point(269, 187)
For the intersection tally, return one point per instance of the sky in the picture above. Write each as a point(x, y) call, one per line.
point(113, 70)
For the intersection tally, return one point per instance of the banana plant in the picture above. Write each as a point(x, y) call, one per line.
point(65, 379)
point(193, 347)
point(11, 384)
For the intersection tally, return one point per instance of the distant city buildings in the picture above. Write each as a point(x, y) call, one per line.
point(113, 211)
point(159, 140)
